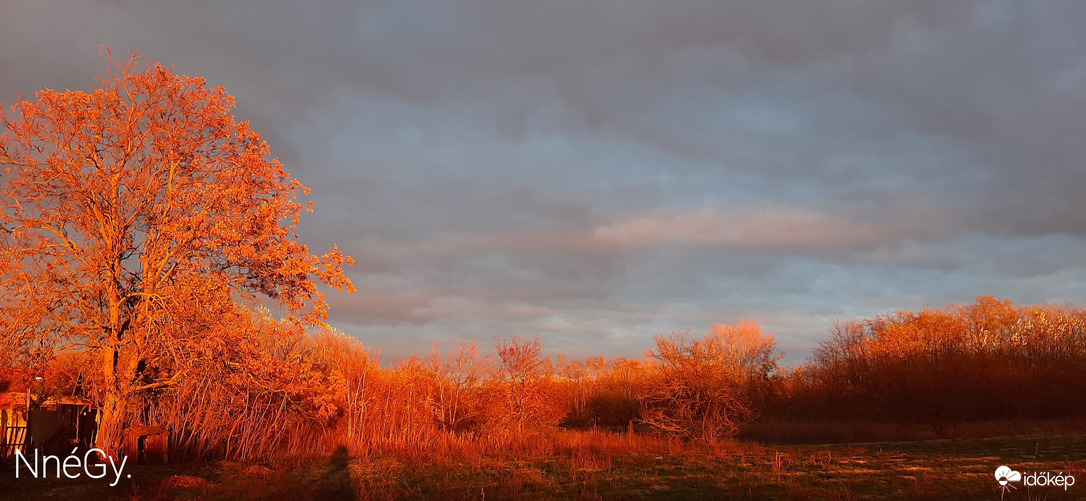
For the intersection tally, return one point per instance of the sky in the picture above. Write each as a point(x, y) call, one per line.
point(598, 173)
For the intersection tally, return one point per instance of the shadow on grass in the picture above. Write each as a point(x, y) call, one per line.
point(336, 483)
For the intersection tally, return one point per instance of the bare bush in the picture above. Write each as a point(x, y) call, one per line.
point(456, 385)
point(524, 395)
point(703, 388)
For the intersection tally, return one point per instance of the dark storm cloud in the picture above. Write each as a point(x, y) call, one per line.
point(602, 172)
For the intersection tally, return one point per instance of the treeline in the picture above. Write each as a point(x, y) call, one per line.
point(988, 360)
point(258, 388)
point(275, 390)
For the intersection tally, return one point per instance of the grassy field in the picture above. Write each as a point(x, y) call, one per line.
point(611, 469)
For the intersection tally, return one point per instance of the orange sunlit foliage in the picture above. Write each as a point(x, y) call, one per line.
point(985, 361)
point(457, 396)
point(703, 389)
point(134, 216)
point(603, 393)
point(258, 388)
point(524, 395)
point(354, 373)
point(262, 387)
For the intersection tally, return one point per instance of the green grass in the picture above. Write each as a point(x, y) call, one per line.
point(961, 469)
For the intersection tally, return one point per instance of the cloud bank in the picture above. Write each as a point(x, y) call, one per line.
point(599, 173)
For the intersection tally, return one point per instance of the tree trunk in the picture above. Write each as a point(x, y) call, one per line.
point(113, 397)
point(113, 402)
point(111, 426)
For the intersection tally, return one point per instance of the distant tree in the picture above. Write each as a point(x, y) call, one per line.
point(526, 397)
point(132, 216)
point(945, 366)
point(456, 381)
point(842, 366)
point(704, 388)
point(990, 322)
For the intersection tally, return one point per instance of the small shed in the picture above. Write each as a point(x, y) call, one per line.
point(31, 419)
point(147, 444)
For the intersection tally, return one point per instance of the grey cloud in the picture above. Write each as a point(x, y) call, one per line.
point(602, 172)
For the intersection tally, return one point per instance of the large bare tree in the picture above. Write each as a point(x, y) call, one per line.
point(133, 216)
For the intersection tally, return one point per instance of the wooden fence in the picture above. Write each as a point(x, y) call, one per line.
point(11, 438)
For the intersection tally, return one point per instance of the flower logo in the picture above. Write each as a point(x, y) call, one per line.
point(1004, 475)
